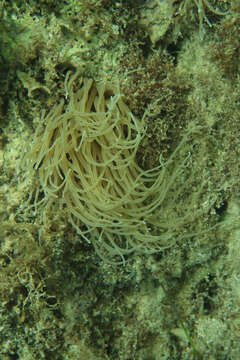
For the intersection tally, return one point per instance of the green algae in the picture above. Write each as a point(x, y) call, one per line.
point(58, 299)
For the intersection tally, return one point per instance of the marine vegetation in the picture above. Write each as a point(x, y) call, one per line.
point(204, 7)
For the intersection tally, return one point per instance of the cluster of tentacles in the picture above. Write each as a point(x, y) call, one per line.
point(85, 153)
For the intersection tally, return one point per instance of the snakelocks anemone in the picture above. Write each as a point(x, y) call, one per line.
point(84, 151)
